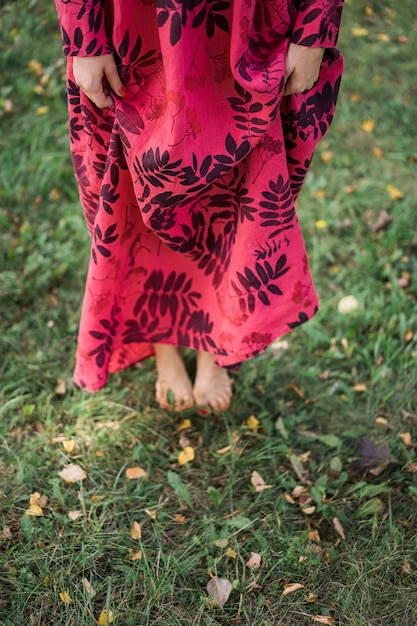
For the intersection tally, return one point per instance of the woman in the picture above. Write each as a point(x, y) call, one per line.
point(192, 126)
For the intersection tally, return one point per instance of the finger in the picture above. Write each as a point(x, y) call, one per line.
point(113, 78)
point(99, 98)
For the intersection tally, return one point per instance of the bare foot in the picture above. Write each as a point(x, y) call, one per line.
point(212, 386)
point(173, 376)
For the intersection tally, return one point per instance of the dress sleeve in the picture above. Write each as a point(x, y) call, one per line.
point(83, 27)
point(317, 23)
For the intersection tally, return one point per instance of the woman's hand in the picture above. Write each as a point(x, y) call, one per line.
point(89, 73)
point(301, 68)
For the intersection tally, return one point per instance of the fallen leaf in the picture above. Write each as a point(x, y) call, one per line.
point(184, 425)
point(186, 456)
point(253, 423)
point(406, 568)
point(368, 126)
point(258, 482)
point(359, 32)
point(184, 441)
point(65, 597)
point(324, 619)
point(135, 472)
point(254, 560)
point(152, 514)
point(313, 535)
point(220, 589)
point(60, 387)
point(106, 618)
point(339, 528)
point(220, 543)
point(291, 588)
point(406, 437)
point(327, 156)
point(231, 553)
point(34, 511)
point(179, 518)
point(68, 445)
point(378, 152)
point(308, 510)
point(135, 555)
point(373, 458)
point(72, 473)
point(347, 304)
point(360, 387)
point(321, 224)
point(74, 515)
point(394, 193)
point(88, 587)
point(383, 220)
point(312, 597)
point(136, 531)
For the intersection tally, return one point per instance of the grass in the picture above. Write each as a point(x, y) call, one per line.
point(341, 378)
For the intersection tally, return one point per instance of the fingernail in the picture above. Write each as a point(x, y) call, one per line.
point(122, 91)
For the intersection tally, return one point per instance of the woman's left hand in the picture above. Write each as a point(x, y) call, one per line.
point(301, 68)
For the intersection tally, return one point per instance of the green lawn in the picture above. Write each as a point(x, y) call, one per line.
point(328, 418)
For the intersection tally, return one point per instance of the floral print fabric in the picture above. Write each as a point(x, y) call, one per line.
point(188, 183)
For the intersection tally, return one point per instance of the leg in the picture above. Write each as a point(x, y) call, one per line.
point(172, 375)
point(212, 386)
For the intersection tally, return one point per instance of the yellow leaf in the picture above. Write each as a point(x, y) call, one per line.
point(327, 156)
point(68, 445)
point(291, 588)
point(65, 597)
point(355, 98)
point(253, 423)
point(258, 482)
point(324, 619)
point(231, 553)
point(321, 224)
point(312, 597)
point(34, 511)
point(378, 152)
point(320, 193)
point(184, 424)
point(313, 535)
point(381, 420)
point(36, 67)
point(359, 32)
point(406, 437)
point(136, 531)
point(42, 110)
point(135, 472)
point(360, 387)
point(368, 126)
point(383, 37)
point(394, 193)
point(152, 514)
point(135, 555)
point(186, 455)
point(106, 618)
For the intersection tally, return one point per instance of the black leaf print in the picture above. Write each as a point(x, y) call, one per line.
point(78, 38)
point(175, 32)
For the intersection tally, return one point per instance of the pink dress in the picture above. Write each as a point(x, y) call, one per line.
point(188, 183)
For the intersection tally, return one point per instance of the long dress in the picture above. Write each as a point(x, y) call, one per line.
point(188, 182)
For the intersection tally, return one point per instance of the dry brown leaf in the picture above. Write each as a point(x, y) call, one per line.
point(313, 535)
point(384, 219)
point(312, 597)
point(288, 498)
point(186, 456)
point(258, 482)
point(308, 510)
point(60, 387)
point(74, 515)
point(254, 560)
point(179, 518)
point(339, 528)
point(292, 588)
point(136, 531)
point(220, 543)
point(184, 441)
point(406, 568)
point(73, 473)
point(298, 490)
point(220, 589)
point(324, 619)
point(152, 514)
point(135, 555)
point(88, 587)
point(135, 472)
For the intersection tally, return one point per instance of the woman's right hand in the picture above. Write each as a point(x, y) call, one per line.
point(89, 73)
